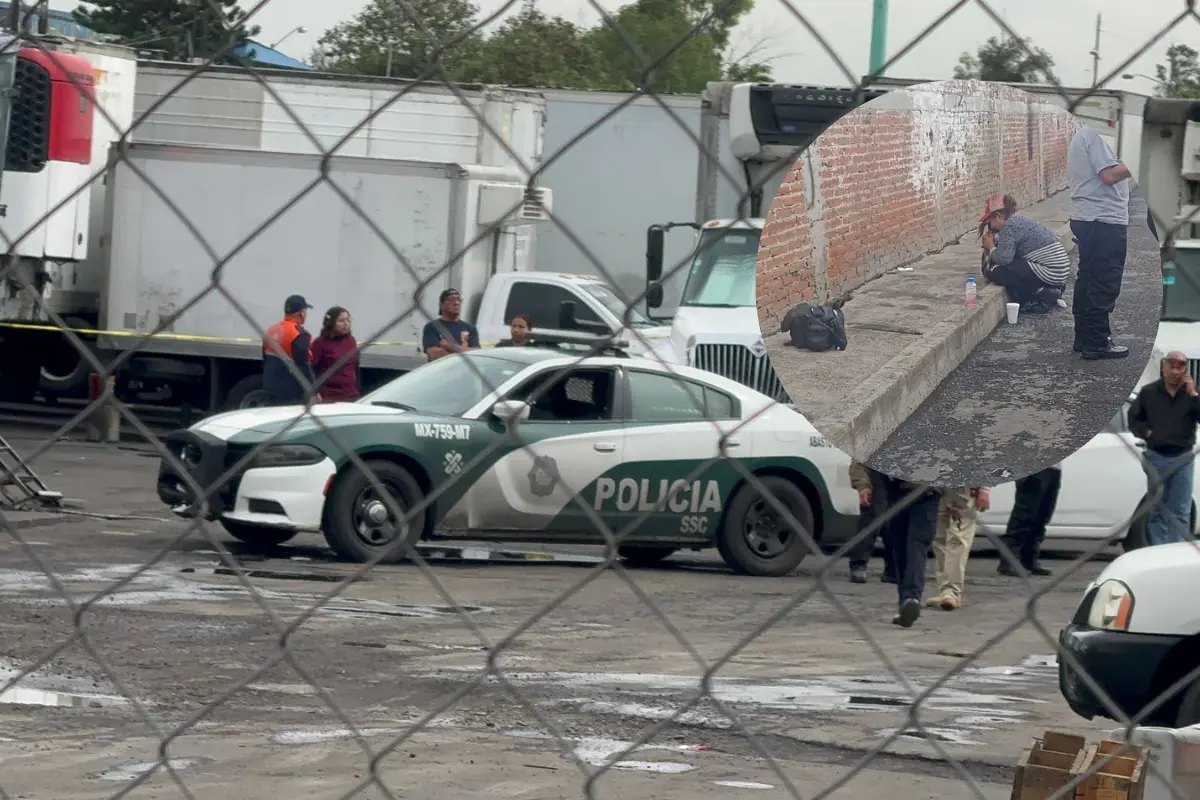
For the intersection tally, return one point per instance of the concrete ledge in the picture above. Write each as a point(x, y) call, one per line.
point(909, 330)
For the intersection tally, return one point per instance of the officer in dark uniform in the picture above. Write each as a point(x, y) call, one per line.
point(286, 341)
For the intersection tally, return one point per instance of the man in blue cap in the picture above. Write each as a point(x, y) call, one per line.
point(286, 341)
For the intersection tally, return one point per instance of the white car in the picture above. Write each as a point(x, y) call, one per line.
point(623, 433)
point(1103, 484)
point(1136, 633)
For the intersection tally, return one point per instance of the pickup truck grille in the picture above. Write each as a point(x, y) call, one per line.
point(736, 362)
point(1194, 368)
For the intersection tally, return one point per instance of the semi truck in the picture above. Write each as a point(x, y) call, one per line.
point(197, 202)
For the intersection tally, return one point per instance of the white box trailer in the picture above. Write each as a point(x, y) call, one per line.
point(264, 226)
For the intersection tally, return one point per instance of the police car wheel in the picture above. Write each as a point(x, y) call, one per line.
point(256, 535)
point(359, 525)
point(754, 539)
point(644, 556)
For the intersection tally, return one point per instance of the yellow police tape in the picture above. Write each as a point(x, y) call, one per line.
point(178, 337)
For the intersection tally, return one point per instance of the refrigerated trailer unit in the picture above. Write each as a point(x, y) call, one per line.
point(268, 229)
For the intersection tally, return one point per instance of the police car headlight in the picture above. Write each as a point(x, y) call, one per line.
point(1112, 607)
point(288, 455)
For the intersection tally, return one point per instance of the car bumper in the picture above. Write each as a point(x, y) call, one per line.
point(1122, 664)
point(286, 497)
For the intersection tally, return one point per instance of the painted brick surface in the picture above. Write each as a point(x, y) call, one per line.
point(901, 178)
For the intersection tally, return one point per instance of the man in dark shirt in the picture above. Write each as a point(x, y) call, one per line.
point(1165, 414)
point(449, 333)
point(285, 341)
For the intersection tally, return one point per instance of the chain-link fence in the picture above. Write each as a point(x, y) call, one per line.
point(398, 509)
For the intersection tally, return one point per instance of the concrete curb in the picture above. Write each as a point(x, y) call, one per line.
point(889, 397)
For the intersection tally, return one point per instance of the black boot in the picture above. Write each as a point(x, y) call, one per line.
point(1006, 569)
point(1036, 569)
point(1105, 352)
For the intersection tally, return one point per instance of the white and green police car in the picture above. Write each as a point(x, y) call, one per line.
point(526, 444)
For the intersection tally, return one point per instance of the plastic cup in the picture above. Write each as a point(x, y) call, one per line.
point(1013, 309)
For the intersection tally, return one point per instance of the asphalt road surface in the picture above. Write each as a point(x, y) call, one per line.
point(1022, 398)
point(199, 650)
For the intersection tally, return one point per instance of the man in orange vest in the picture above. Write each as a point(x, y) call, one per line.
point(286, 341)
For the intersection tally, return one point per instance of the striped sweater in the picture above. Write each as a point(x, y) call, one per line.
point(1032, 242)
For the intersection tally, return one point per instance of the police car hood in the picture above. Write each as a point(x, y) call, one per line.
point(272, 420)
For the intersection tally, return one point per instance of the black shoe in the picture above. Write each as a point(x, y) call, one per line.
point(1077, 347)
point(1006, 569)
point(1109, 351)
point(910, 611)
point(1038, 570)
point(858, 574)
point(888, 578)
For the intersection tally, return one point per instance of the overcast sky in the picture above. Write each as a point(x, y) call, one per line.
point(1065, 28)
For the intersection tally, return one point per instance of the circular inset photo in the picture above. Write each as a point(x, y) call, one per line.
point(957, 282)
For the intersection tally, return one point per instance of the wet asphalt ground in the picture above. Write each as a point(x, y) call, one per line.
point(1023, 399)
point(257, 665)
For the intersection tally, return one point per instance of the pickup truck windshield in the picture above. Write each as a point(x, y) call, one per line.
point(616, 306)
point(1181, 290)
point(452, 384)
point(723, 269)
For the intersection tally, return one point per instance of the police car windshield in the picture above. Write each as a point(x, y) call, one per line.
point(723, 269)
point(452, 384)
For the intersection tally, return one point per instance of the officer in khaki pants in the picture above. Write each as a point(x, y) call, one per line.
point(957, 514)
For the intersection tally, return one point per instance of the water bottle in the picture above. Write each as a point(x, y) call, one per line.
point(971, 291)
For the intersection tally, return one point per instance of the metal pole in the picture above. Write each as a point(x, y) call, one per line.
point(388, 69)
point(879, 36)
point(1096, 55)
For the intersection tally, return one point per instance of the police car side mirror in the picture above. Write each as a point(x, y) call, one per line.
point(510, 411)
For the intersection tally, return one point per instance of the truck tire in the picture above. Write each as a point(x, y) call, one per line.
point(257, 536)
point(349, 528)
point(637, 555)
point(1138, 535)
point(69, 376)
point(754, 540)
point(247, 393)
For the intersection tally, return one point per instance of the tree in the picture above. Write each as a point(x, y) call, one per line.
point(402, 38)
point(533, 50)
point(180, 29)
point(1005, 60)
point(1180, 76)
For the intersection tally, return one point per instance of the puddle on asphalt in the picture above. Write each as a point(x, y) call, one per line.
point(599, 752)
point(743, 785)
point(318, 736)
point(943, 735)
point(154, 587)
point(53, 691)
point(131, 772)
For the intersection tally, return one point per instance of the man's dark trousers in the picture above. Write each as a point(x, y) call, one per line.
point(862, 552)
point(913, 530)
point(1102, 248)
point(1033, 506)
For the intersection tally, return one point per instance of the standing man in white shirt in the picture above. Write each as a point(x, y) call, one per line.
point(1099, 215)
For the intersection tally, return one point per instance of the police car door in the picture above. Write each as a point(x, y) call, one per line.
point(668, 477)
point(573, 434)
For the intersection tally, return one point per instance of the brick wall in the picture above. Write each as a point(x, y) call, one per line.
point(902, 177)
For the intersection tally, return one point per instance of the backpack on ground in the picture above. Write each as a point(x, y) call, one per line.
point(815, 328)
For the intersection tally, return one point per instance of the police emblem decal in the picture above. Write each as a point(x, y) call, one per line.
point(543, 476)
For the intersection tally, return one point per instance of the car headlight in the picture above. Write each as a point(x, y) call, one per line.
point(1112, 606)
point(288, 455)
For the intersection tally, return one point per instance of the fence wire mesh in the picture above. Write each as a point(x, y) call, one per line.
point(410, 517)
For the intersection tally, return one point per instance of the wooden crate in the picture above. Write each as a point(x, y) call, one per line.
point(1123, 777)
point(1045, 767)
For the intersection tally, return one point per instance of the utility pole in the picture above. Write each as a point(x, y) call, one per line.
point(879, 36)
point(1096, 55)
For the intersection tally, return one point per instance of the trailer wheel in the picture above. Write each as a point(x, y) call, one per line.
point(64, 370)
point(247, 393)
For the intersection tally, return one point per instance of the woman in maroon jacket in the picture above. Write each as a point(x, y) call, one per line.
point(328, 349)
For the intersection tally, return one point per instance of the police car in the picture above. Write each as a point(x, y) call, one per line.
point(608, 440)
point(1137, 634)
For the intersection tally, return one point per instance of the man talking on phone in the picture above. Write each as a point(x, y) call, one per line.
point(1165, 414)
point(449, 333)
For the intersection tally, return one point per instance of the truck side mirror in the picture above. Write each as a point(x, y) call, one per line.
point(566, 316)
point(655, 240)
